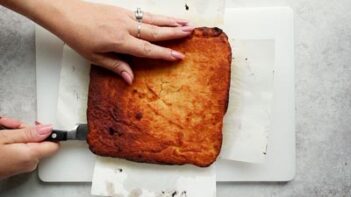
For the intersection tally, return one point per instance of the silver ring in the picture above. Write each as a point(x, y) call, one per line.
point(139, 15)
point(139, 30)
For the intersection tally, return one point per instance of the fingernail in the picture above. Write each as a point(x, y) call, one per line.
point(182, 22)
point(178, 55)
point(187, 28)
point(127, 77)
point(44, 129)
point(37, 122)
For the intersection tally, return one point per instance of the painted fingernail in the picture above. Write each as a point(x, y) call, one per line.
point(178, 55)
point(187, 28)
point(182, 22)
point(44, 129)
point(127, 77)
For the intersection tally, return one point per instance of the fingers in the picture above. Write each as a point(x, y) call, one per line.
point(43, 149)
point(19, 159)
point(142, 48)
point(24, 157)
point(155, 33)
point(24, 135)
point(10, 123)
point(160, 20)
point(118, 66)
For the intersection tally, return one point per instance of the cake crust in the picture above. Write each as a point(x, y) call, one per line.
point(172, 113)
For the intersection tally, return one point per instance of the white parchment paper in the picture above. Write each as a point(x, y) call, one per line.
point(73, 90)
point(248, 119)
point(117, 177)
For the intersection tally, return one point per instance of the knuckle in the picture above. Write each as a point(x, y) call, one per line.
point(116, 41)
point(117, 66)
point(120, 38)
point(147, 48)
point(29, 133)
point(119, 41)
point(155, 33)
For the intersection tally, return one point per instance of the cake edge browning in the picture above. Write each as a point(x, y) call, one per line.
point(198, 32)
point(216, 32)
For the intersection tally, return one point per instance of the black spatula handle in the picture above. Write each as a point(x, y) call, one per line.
point(57, 135)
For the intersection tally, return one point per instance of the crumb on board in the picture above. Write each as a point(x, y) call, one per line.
point(174, 193)
point(186, 7)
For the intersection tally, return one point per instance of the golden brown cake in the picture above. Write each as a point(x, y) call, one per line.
point(173, 111)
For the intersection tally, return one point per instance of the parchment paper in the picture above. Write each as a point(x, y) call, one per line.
point(73, 90)
point(247, 122)
point(117, 177)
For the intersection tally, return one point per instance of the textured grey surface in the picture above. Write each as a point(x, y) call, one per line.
point(323, 101)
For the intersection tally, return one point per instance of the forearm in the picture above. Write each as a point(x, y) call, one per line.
point(50, 14)
point(100, 32)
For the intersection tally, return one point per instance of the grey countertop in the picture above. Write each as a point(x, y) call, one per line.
point(323, 102)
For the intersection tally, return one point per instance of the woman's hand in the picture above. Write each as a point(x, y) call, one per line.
point(21, 147)
point(101, 32)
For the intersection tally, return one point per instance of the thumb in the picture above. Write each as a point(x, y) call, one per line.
point(25, 135)
point(118, 66)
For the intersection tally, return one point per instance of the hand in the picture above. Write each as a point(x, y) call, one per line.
point(101, 32)
point(21, 147)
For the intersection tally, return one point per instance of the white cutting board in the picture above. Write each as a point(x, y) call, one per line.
point(277, 24)
point(75, 164)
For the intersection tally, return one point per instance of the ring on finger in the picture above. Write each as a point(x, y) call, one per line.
point(139, 15)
